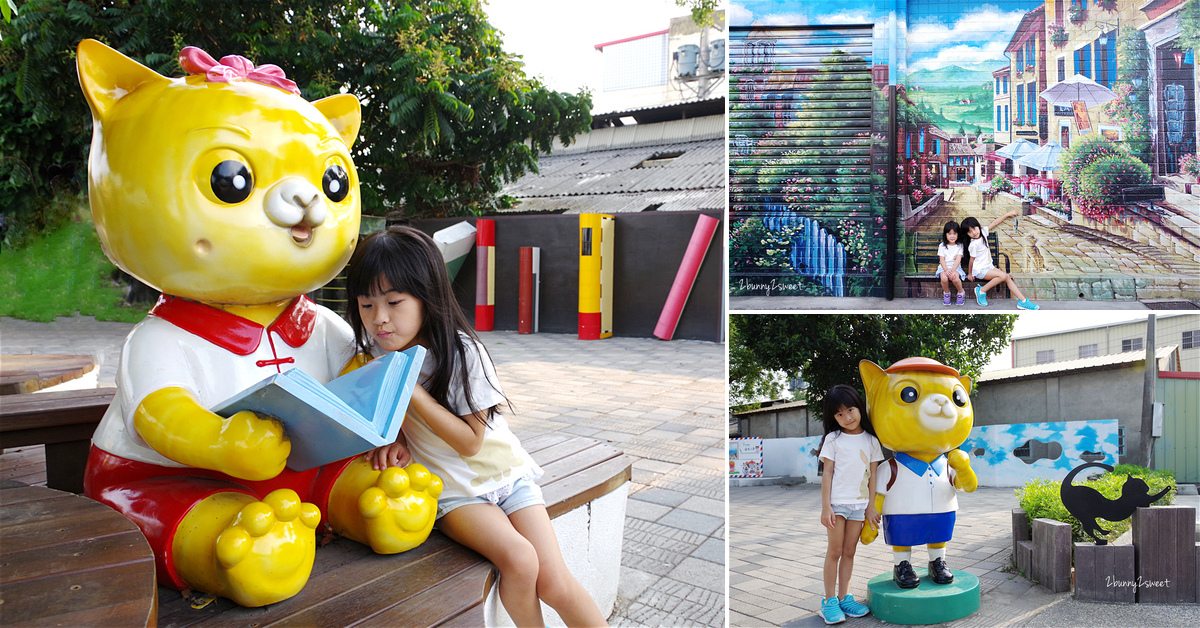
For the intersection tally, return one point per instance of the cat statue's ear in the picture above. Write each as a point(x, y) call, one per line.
point(872, 374)
point(966, 382)
point(108, 76)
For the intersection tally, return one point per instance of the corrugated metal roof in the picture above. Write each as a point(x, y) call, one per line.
point(775, 408)
point(605, 175)
point(1086, 364)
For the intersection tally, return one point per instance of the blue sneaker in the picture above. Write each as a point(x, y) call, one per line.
point(853, 608)
point(980, 296)
point(831, 611)
point(1027, 305)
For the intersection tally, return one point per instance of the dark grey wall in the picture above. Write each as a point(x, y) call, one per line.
point(648, 250)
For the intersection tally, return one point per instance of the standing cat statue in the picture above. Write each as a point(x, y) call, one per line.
point(234, 197)
point(921, 410)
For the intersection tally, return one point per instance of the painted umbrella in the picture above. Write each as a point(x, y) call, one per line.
point(1044, 158)
point(1017, 149)
point(1078, 88)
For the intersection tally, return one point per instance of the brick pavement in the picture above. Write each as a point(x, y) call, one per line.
point(662, 402)
point(777, 551)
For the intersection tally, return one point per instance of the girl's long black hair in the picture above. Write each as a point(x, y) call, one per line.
point(843, 396)
point(967, 223)
point(951, 226)
point(407, 260)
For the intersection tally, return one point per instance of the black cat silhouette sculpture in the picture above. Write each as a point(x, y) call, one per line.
point(1087, 504)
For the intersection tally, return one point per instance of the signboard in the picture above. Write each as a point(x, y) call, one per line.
point(745, 458)
point(1082, 121)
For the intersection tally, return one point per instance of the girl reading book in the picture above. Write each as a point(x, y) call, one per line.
point(399, 296)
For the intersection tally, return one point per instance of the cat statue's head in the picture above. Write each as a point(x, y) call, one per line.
point(918, 406)
point(224, 186)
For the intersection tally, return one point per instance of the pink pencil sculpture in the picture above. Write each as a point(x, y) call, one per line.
point(485, 275)
point(685, 277)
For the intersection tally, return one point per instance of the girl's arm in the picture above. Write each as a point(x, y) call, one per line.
point(463, 434)
point(956, 264)
point(873, 516)
point(996, 223)
point(827, 517)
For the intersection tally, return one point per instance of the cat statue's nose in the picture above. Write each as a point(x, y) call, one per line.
point(294, 201)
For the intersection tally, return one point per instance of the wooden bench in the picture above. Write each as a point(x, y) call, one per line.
point(926, 260)
point(440, 583)
point(63, 422)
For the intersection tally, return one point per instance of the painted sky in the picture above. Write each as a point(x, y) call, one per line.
point(939, 34)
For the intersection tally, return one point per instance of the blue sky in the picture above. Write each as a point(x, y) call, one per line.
point(940, 34)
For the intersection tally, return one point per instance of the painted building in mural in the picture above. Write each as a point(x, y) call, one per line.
point(858, 129)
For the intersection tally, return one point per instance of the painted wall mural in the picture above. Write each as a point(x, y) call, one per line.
point(1001, 455)
point(1081, 115)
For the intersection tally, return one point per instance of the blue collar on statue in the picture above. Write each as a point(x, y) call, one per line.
point(919, 467)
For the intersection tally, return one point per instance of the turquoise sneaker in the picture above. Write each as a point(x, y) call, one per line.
point(980, 296)
point(831, 611)
point(853, 608)
point(1027, 305)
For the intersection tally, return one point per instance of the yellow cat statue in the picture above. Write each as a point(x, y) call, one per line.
point(921, 410)
point(234, 197)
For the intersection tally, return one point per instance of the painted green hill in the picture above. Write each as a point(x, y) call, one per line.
point(949, 77)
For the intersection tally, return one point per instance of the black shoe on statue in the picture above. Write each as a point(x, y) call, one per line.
point(940, 573)
point(904, 576)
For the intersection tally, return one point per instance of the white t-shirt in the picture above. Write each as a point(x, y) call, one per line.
point(500, 461)
point(852, 455)
point(157, 354)
point(980, 252)
point(951, 251)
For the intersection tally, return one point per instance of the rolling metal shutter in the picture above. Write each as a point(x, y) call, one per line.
point(803, 216)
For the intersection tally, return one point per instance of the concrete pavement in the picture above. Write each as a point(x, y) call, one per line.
point(663, 403)
point(777, 551)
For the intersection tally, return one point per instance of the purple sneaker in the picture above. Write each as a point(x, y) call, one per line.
point(961, 298)
point(945, 298)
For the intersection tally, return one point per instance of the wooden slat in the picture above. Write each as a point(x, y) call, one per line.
point(430, 607)
point(29, 373)
point(21, 412)
point(570, 493)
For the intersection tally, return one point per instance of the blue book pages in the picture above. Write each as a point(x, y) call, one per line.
point(381, 389)
point(352, 414)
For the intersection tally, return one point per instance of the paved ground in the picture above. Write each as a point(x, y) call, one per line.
point(777, 550)
point(662, 402)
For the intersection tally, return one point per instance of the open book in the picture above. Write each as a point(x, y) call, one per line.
point(356, 412)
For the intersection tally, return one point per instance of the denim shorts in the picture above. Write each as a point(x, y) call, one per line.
point(525, 493)
point(849, 513)
point(962, 274)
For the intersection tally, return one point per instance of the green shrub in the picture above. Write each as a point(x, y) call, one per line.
point(1084, 152)
point(1101, 182)
point(1042, 498)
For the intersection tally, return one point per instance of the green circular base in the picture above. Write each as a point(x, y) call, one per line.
point(929, 603)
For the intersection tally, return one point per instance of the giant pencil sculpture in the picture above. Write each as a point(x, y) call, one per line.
point(595, 276)
point(685, 278)
point(485, 271)
point(529, 289)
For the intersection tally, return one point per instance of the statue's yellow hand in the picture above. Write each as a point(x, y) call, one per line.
point(243, 445)
point(964, 479)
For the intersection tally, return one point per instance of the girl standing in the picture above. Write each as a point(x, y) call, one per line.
point(850, 453)
point(950, 254)
point(979, 264)
point(399, 296)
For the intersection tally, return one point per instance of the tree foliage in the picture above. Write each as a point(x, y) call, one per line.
point(825, 350)
point(448, 115)
point(748, 379)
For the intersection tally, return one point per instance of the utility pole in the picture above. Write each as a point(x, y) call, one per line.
point(1147, 441)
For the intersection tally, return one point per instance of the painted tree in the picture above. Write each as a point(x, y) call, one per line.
point(1131, 108)
point(448, 115)
point(825, 350)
